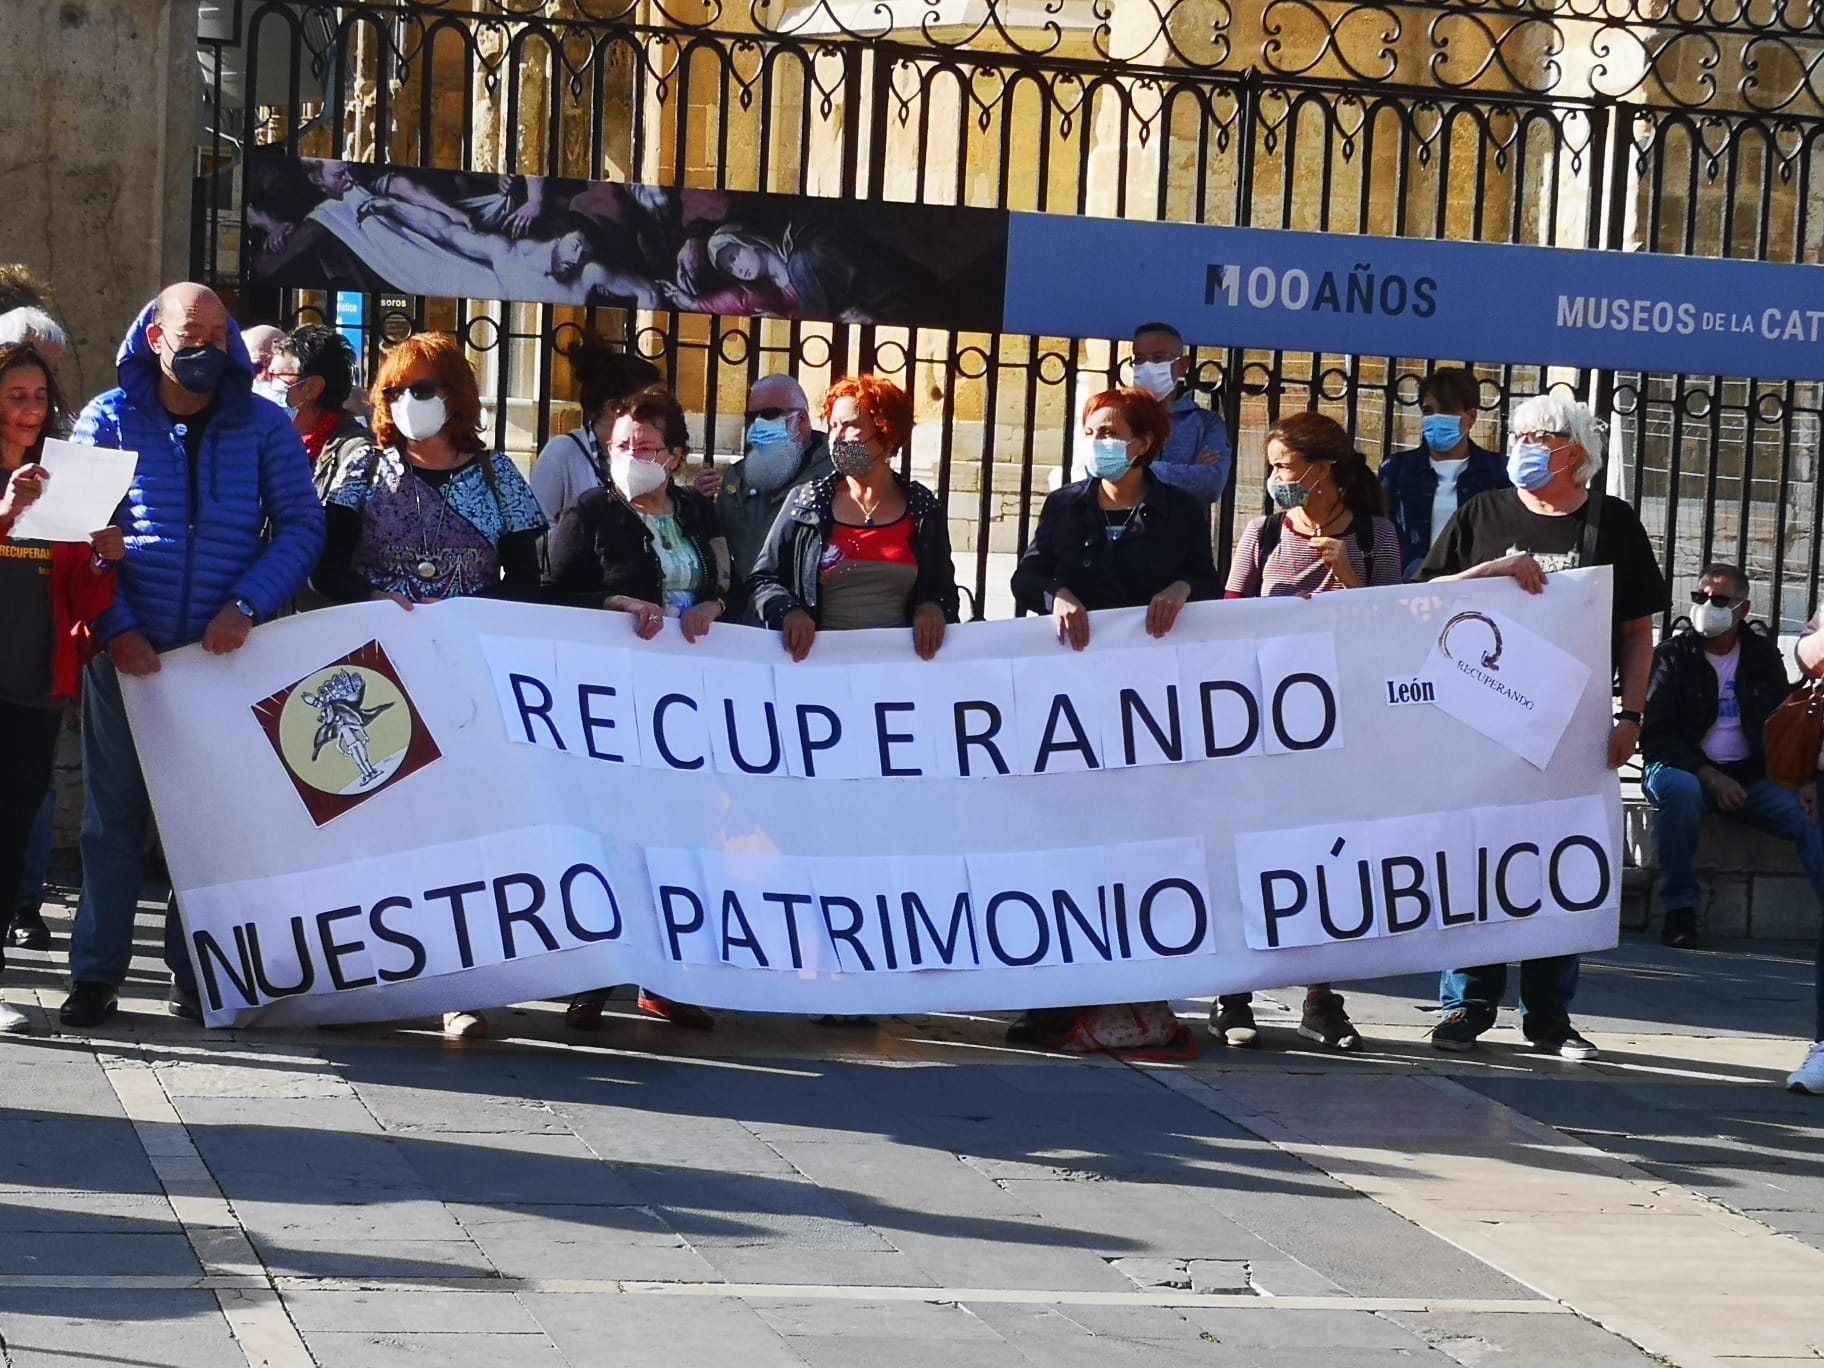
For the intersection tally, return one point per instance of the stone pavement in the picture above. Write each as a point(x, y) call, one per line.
point(777, 1193)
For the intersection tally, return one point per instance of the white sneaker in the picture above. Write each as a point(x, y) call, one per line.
point(15, 1022)
point(1809, 1076)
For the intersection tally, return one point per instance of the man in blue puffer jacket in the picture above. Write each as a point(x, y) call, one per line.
point(223, 526)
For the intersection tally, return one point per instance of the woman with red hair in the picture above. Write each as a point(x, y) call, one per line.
point(427, 512)
point(1120, 538)
point(862, 547)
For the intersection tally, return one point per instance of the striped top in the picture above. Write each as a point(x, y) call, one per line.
point(1294, 568)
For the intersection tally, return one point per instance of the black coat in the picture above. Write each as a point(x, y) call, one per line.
point(785, 577)
point(1682, 699)
point(1167, 540)
point(1411, 482)
point(601, 547)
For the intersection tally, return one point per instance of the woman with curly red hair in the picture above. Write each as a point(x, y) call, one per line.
point(862, 547)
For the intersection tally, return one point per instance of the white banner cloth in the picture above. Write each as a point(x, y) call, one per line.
point(371, 814)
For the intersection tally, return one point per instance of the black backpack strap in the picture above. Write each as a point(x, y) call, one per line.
point(1269, 534)
point(1592, 524)
point(1364, 542)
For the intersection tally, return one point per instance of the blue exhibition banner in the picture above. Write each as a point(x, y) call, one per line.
point(363, 228)
point(1378, 296)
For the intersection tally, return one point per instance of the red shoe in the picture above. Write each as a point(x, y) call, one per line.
point(677, 1013)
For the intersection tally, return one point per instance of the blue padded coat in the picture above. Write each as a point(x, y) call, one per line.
point(245, 524)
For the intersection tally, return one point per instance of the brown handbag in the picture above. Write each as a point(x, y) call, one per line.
point(1794, 736)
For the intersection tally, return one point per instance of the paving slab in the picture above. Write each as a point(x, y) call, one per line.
point(660, 1332)
point(55, 1328)
point(582, 1242)
point(455, 1349)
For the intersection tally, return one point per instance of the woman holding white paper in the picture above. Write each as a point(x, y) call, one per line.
point(49, 592)
point(1327, 531)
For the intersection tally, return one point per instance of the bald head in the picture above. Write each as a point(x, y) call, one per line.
point(777, 391)
point(259, 341)
point(185, 301)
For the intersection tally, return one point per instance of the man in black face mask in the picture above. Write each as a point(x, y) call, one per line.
point(222, 527)
point(781, 451)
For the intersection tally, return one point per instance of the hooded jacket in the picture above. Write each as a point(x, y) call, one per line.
point(245, 523)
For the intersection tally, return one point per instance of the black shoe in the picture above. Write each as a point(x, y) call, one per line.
point(183, 1005)
point(1458, 1029)
point(1325, 1021)
point(1679, 931)
point(1232, 1024)
point(1561, 1039)
point(89, 1004)
point(28, 930)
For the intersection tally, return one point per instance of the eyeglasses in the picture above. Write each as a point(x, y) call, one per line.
point(423, 389)
point(1720, 600)
point(772, 412)
point(640, 453)
point(1546, 437)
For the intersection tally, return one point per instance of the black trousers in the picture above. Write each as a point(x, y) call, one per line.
point(28, 746)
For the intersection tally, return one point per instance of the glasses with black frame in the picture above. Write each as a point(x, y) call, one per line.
point(422, 389)
point(771, 412)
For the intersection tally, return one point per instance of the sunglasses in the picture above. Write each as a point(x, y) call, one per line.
point(1720, 600)
point(771, 413)
point(424, 389)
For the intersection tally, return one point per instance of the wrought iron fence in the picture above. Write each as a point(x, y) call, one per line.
point(1692, 126)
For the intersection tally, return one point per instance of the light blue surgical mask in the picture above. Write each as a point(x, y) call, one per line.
point(766, 432)
point(1442, 431)
point(1529, 465)
point(1108, 458)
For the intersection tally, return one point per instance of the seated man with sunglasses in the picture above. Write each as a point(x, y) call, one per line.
point(1711, 692)
point(781, 451)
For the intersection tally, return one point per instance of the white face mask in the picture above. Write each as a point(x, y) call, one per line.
point(1156, 378)
point(636, 478)
point(419, 420)
point(1712, 619)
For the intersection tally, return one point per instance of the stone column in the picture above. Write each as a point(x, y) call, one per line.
point(99, 101)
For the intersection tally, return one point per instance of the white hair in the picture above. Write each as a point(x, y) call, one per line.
point(1572, 417)
point(28, 324)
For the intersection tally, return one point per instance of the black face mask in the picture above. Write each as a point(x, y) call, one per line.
point(199, 369)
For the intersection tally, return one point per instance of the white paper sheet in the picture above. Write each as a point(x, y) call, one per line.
point(86, 486)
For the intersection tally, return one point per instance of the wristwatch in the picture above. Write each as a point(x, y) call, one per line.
point(1628, 715)
point(241, 605)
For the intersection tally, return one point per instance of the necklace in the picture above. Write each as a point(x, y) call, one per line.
point(427, 567)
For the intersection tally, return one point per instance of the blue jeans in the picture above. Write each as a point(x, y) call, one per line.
point(1546, 989)
point(37, 866)
point(115, 816)
point(1682, 802)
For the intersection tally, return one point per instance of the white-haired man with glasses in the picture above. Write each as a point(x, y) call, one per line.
point(1551, 520)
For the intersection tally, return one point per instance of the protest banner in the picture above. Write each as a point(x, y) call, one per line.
point(352, 225)
point(372, 814)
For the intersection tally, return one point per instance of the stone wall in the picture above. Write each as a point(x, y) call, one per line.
point(99, 102)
